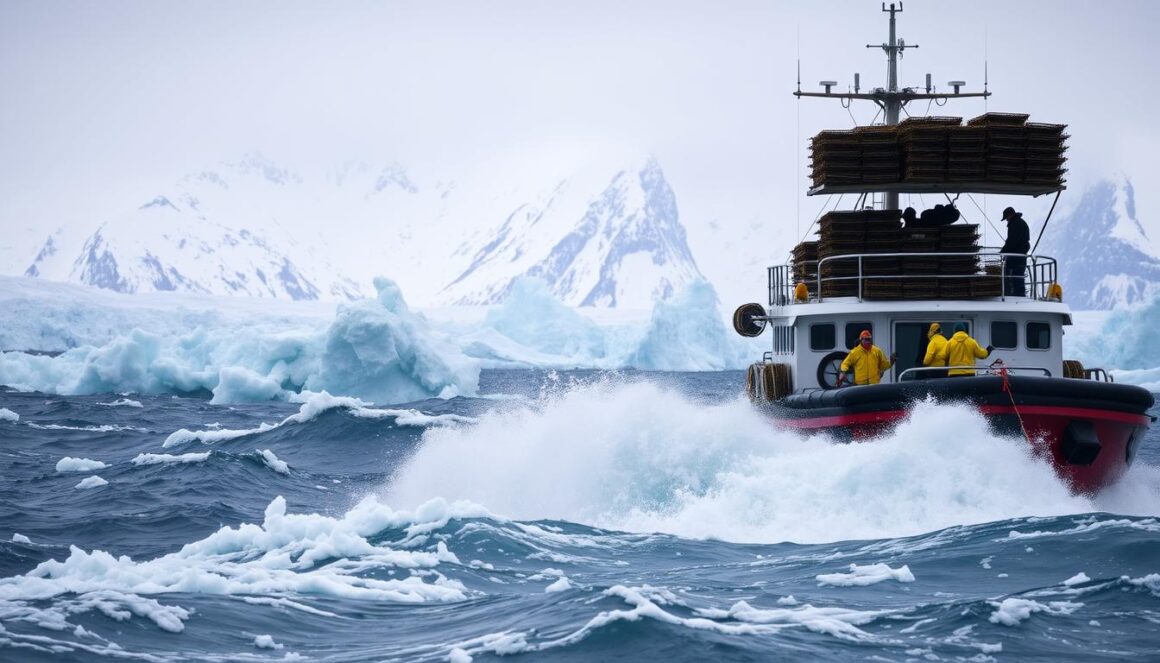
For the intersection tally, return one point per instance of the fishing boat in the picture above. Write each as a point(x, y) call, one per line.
point(867, 272)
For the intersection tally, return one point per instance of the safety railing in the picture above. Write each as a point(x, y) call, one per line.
point(1038, 274)
point(932, 372)
point(1097, 374)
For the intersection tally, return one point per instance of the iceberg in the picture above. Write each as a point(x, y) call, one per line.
point(381, 351)
point(533, 329)
point(686, 333)
point(532, 317)
point(1119, 341)
point(375, 349)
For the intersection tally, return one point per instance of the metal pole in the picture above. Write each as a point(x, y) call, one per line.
point(891, 103)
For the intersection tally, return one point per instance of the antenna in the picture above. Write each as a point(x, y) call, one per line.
point(891, 99)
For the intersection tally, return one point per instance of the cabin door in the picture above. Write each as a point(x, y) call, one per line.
point(910, 343)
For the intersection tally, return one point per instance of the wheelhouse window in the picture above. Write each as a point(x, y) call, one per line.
point(1038, 336)
point(853, 329)
point(1004, 334)
point(822, 337)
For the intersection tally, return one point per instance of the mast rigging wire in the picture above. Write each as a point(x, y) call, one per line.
point(823, 209)
point(984, 214)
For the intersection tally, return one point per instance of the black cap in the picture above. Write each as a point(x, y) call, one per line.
point(1009, 212)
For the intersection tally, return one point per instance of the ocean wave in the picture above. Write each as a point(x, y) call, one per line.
point(312, 406)
point(639, 458)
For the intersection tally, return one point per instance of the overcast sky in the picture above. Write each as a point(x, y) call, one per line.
point(104, 103)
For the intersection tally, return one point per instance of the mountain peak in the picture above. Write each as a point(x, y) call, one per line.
point(1105, 257)
point(623, 247)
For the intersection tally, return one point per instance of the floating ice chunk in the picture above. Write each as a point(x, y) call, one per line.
point(238, 384)
point(8, 415)
point(687, 333)
point(1011, 611)
point(986, 561)
point(70, 464)
point(561, 585)
point(861, 576)
point(1076, 579)
point(266, 642)
point(92, 482)
point(273, 462)
point(20, 538)
point(162, 459)
point(378, 349)
point(457, 655)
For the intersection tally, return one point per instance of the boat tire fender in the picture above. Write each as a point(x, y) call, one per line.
point(1080, 444)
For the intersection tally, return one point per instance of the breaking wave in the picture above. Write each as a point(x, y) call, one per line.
point(639, 458)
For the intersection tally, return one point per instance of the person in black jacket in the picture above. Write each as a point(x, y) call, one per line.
point(1018, 241)
point(936, 217)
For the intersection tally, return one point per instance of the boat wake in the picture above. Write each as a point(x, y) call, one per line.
point(639, 458)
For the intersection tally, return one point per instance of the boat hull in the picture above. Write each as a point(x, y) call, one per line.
point(1089, 431)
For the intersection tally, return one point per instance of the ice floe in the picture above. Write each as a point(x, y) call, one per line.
point(92, 482)
point(862, 576)
point(70, 464)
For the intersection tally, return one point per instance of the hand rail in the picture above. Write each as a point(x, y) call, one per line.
point(1039, 272)
point(986, 369)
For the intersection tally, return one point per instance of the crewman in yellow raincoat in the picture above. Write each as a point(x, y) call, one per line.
point(936, 352)
point(962, 350)
point(867, 360)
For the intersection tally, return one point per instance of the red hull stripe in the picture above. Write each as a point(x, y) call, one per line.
point(886, 416)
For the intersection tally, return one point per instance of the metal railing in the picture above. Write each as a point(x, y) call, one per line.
point(940, 371)
point(1039, 273)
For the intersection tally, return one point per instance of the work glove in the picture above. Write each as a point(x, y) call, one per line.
point(990, 348)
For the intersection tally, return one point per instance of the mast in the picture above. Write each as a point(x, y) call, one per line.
point(891, 99)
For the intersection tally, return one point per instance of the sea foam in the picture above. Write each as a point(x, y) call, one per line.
point(639, 458)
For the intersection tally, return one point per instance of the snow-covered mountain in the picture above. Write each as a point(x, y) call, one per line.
point(1105, 257)
point(622, 247)
point(600, 232)
point(183, 244)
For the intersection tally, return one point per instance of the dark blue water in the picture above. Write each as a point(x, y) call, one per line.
point(573, 516)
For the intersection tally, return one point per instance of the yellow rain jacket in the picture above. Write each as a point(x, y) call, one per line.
point(936, 351)
point(867, 364)
point(962, 350)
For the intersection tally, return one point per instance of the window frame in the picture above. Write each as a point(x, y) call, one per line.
point(1015, 323)
point(1027, 335)
point(833, 336)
